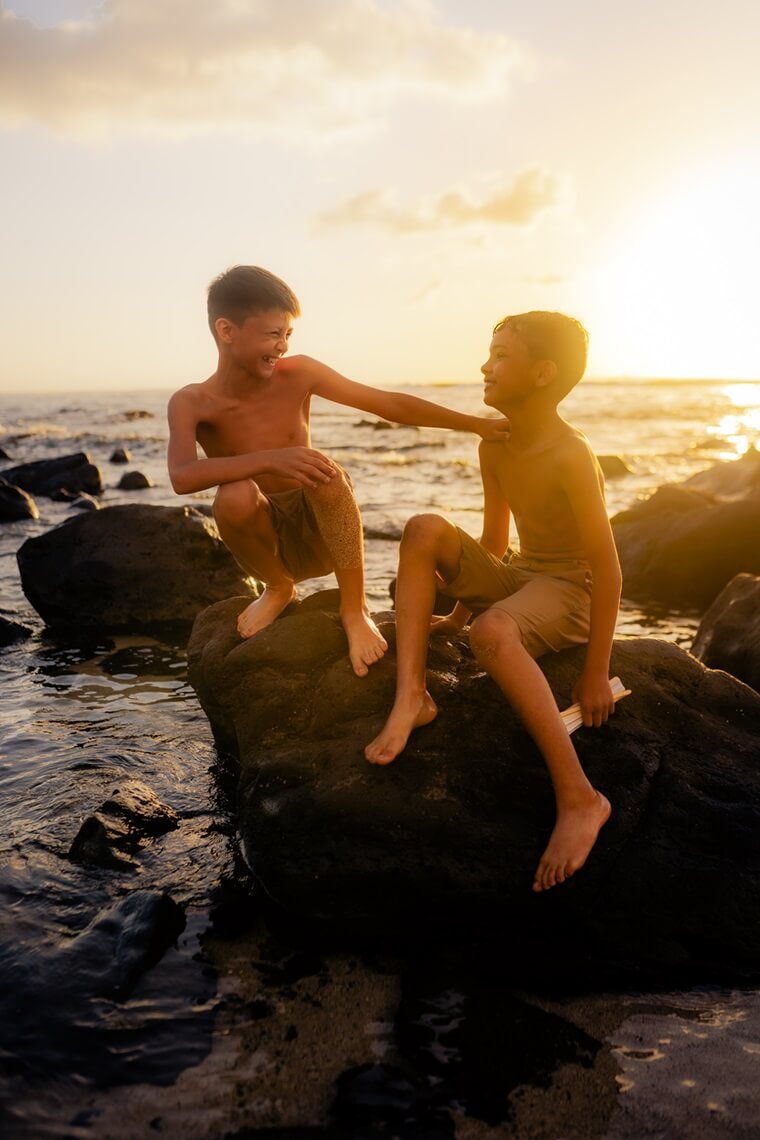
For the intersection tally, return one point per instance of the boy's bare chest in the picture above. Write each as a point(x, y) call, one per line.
point(531, 485)
point(234, 427)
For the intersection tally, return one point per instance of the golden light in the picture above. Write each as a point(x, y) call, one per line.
point(679, 296)
point(739, 428)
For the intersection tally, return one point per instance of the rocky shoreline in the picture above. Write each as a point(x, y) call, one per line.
point(406, 982)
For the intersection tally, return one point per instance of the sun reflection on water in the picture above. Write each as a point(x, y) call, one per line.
point(739, 428)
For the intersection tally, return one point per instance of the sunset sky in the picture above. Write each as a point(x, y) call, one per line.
point(415, 169)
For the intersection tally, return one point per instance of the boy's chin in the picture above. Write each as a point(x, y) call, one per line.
point(489, 399)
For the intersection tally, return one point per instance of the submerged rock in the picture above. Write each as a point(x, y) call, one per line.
point(128, 568)
point(452, 831)
point(48, 996)
point(729, 634)
point(687, 540)
point(121, 455)
point(112, 836)
point(46, 477)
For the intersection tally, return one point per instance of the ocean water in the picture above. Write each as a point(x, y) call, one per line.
point(179, 1054)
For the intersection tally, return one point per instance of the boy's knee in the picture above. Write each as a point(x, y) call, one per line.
point(423, 530)
point(335, 488)
point(491, 631)
point(237, 502)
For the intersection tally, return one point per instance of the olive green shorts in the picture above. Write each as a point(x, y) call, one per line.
point(299, 542)
point(549, 599)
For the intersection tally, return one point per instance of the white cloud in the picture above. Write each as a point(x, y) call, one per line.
point(284, 65)
point(531, 192)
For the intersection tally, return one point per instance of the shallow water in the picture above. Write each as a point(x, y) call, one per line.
point(76, 720)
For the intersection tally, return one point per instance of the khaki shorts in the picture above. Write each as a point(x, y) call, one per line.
point(549, 599)
point(300, 545)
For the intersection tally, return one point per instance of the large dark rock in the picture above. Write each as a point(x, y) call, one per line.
point(15, 503)
point(687, 540)
point(73, 473)
point(729, 634)
point(128, 567)
point(453, 830)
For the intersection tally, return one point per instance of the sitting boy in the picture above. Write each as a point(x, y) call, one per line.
point(284, 510)
point(561, 589)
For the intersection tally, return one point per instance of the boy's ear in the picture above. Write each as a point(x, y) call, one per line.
point(223, 327)
point(545, 373)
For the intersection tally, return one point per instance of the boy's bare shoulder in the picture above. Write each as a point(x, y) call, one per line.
point(576, 462)
point(574, 447)
point(301, 369)
point(189, 395)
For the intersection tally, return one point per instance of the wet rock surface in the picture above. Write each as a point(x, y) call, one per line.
point(452, 831)
point(729, 633)
point(128, 567)
point(73, 473)
point(13, 631)
point(104, 962)
point(684, 543)
point(113, 835)
point(16, 503)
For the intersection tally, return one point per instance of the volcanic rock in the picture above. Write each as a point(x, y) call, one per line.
point(13, 631)
point(45, 477)
point(113, 834)
point(452, 831)
point(729, 634)
point(687, 540)
point(134, 481)
point(15, 503)
point(128, 568)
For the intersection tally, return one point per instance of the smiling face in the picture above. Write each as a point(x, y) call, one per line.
point(509, 373)
point(258, 343)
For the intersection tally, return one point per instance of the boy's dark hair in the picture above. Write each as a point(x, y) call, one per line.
point(246, 290)
point(552, 336)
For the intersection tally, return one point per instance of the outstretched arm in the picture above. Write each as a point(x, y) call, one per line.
point(189, 473)
point(398, 407)
point(582, 482)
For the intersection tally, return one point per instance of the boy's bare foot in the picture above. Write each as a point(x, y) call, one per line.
point(571, 841)
point(406, 715)
point(265, 609)
point(366, 644)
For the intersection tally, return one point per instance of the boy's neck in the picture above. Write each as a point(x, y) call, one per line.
point(233, 379)
point(531, 421)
